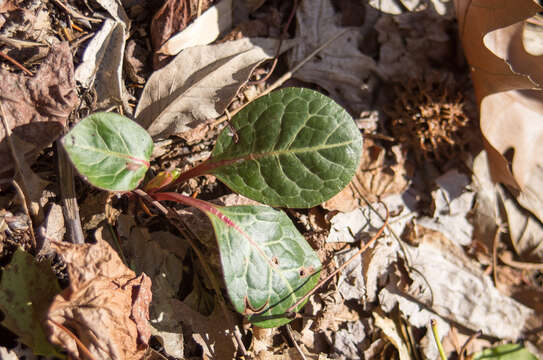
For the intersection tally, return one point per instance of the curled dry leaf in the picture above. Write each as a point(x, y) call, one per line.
point(508, 82)
point(103, 63)
point(37, 108)
point(199, 84)
point(106, 304)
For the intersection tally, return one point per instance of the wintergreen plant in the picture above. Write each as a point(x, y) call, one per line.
point(295, 148)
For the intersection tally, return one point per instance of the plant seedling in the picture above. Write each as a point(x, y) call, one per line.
point(296, 148)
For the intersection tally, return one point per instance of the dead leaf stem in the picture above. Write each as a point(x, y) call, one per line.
point(16, 63)
point(296, 345)
point(80, 345)
point(69, 200)
point(74, 13)
point(466, 344)
point(283, 78)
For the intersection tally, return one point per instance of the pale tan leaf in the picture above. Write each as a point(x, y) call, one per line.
point(198, 84)
point(202, 31)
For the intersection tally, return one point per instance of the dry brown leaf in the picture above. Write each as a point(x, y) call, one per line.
point(341, 68)
point(198, 85)
point(106, 304)
point(508, 82)
point(37, 108)
point(171, 18)
point(375, 179)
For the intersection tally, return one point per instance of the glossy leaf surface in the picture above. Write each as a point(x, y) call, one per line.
point(267, 264)
point(110, 151)
point(296, 148)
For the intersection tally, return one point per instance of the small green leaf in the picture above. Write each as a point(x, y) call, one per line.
point(267, 264)
point(296, 148)
point(110, 151)
point(26, 292)
point(505, 352)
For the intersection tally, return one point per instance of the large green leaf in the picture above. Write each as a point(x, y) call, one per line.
point(505, 352)
point(267, 264)
point(296, 148)
point(110, 151)
point(26, 292)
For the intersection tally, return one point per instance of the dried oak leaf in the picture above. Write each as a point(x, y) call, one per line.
point(37, 108)
point(106, 304)
point(375, 178)
point(508, 82)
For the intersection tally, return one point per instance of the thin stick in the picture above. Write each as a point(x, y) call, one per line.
point(466, 344)
point(21, 195)
point(74, 13)
point(19, 44)
point(171, 214)
point(70, 208)
point(495, 255)
point(22, 188)
point(362, 249)
point(16, 63)
point(81, 346)
point(283, 78)
point(296, 345)
point(433, 323)
point(277, 51)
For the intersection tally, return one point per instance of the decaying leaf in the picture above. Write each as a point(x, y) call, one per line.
point(375, 179)
point(204, 30)
point(508, 82)
point(411, 44)
point(103, 63)
point(392, 333)
point(106, 304)
point(37, 108)
point(452, 202)
point(198, 85)
point(341, 68)
point(26, 291)
point(455, 288)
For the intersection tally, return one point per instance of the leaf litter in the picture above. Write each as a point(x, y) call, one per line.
point(437, 259)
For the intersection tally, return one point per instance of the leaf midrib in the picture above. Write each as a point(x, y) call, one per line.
point(275, 153)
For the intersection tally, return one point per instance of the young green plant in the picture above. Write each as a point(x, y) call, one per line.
point(296, 148)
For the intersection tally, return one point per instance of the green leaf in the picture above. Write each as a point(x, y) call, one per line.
point(27, 290)
point(110, 151)
point(505, 352)
point(296, 148)
point(267, 264)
